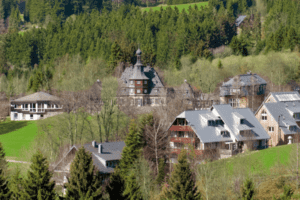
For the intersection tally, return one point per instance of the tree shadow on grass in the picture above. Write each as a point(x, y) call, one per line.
point(11, 126)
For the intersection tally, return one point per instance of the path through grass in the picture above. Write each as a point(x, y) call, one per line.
point(180, 6)
point(13, 141)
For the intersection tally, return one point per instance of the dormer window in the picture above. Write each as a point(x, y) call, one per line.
point(293, 128)
point(211, 123)
point(225, 133)
point(296, 115)
point(242, 121)
point(264, 115)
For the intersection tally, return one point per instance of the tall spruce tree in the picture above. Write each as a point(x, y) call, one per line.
point(132, 190)
point(38, 185)
point(181, 183)
point(248, 190)
point(116, 185)
point(161, 171)
point(132, 149)
point(4, 190)
point(15, 185)
point(3, 162)
point(83, 183)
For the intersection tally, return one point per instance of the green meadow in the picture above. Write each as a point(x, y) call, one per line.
point(179, 6)
point(15, 135)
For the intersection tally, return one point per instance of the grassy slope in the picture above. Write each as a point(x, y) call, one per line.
point(14, 140)
point(261, 161)
point(180, 6)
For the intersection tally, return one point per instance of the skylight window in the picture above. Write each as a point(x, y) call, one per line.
point(288, 97)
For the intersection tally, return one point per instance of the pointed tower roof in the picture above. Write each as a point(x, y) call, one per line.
point(138, 72)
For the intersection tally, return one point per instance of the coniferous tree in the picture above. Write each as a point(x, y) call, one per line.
point(132, 190)
point(83, 183)
point(116, 185)
point(132, 149)
point(38, 184)
point(4, 190)
point(3, 162)
point(248, 190)
point(161, 171)
point(182, 186)
point(15, 185)
point(292, 38)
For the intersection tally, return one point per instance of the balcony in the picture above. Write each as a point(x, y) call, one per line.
point(182, 140)
point(37, 110)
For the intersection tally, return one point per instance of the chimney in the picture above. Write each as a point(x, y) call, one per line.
point(98, 80)
point(94, 144)
point(100, 148)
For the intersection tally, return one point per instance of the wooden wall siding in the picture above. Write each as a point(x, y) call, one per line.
point(180, 128)
point(182, 140)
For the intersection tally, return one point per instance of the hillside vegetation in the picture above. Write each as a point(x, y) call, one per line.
point(180, 6)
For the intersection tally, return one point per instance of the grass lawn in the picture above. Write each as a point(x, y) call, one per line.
point(24, 167)
point(21, 134)
point(180, 6)
point(260, 161)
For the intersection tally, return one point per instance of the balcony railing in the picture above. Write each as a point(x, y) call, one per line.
point(228, 152)
point(38, 110)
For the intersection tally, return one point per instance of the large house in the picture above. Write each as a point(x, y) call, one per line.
point(105, 157)
point(226, 129)
point(241, 91)
point(279, 115)
point(36, 106)
point(141, 85)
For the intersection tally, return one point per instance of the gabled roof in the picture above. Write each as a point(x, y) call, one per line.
point(110, 151)
point(138, 73)
point(38, 96)
point(239, 20)
point(281, 108)
point(225, 112)
point(245, 80)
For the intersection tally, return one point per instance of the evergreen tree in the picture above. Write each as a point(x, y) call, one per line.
point(220, 65)
point(132, 149)
point(83, 183)
point(132, 190)
point(38, 184)
point(248, 190)
point(161, 171)
point(116, 186)
point(15, 185)
point(181, 183)
point(4, 190)
point(292, 38)
point(3, 162)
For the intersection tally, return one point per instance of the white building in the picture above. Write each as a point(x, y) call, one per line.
point(36, 106)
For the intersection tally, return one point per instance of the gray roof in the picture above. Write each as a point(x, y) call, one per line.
point(239, 20)
point(282, 108)
point(289, 96)
point(38, 96)
point(138, 73)
point(209, 134)
point(150, 73)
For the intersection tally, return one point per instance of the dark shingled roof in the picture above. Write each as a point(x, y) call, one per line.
point(38, 96)
point(150, 73)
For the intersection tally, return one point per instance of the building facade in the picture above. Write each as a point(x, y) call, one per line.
point(141, 85)
point(39, 105)
point(221, 128)
point(242, 91)
point(280, 116)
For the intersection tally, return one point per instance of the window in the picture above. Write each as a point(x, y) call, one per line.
point(225, 133)
point(297, 115)
point(181, 134)
point(31, 116)
point(293, 128)
point(131, 82)
point(145, 101)
point(211, 123)
point(138, 91)
point(42, 116)
point(234, 103)
point(145, 91)
point(152, 101)
point(138, 82)
point(15, 106)
point(131, 91)
point(271, 128)
point(16, 115)
point(264, 115)
point(242, 121)
point(145, 82)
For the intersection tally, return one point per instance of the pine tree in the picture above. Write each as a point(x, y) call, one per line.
point(181, 184)
point(132, 149)
point(161, 171)
point(220, 65)
point(4, 190)
point(132, 190)
point(38, 184)
point(83, 183)
point(248, 190)
point(116, 185)
point(292, 38)
point(3, 162)
point(15, 185)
